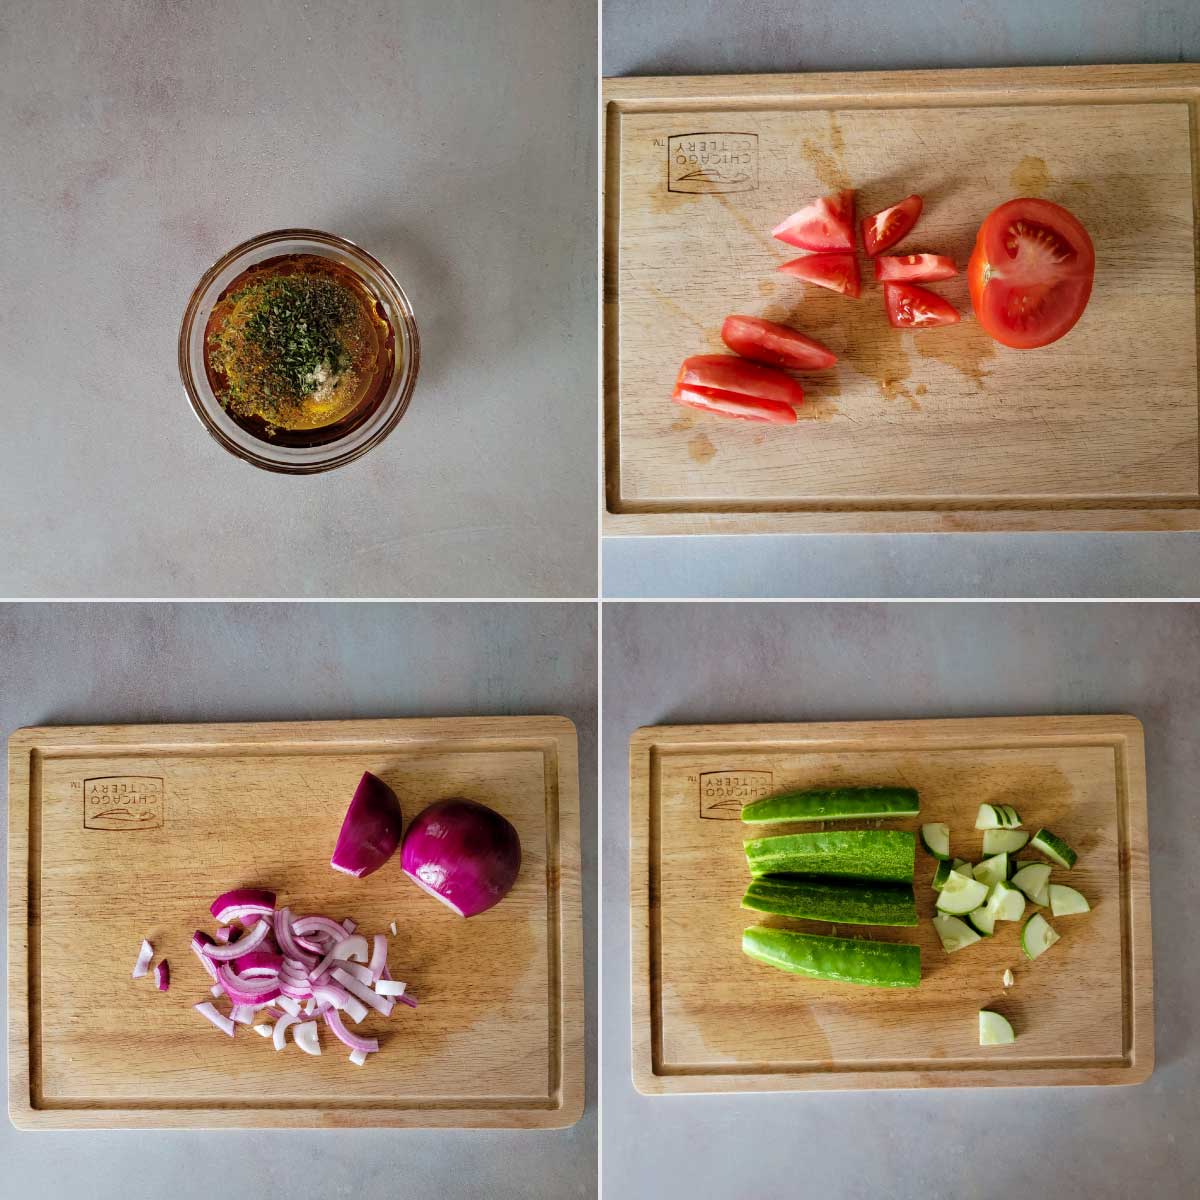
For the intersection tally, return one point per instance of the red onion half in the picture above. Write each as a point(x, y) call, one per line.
point(371, 829)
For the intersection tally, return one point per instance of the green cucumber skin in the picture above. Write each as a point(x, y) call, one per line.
point(839, 903)
point(841, 960)
point(878, 855)
point(833, 804)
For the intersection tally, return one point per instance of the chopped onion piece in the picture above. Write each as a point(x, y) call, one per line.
point(217, 991)
point(325, 926)
point(378, 957)
point(162, 975)
point(407, 999)
point(361, 973)
point(352, 985)
point(310, 1006)
point(356, 1010)
point(242, 1014)
point(289, 1005)
point(246, 991)
point(279, 1033)
point(287, 940)
point(145, 954)
point(264, 1030)
point(242, 903)
point(349, 926)
point(251, 941)
point(330, 993)
point(224, 934)
point(308, 1037)
point(358, 1058)
point(368, 1045)
point(220, 1020)
point(258, 964)
point(200, 940)
point(353, 946)
point(389, 987)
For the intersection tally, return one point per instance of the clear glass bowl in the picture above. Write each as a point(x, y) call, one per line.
point(299, 460)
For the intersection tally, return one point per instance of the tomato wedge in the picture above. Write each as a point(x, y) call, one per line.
point(838, 272)
point(914, 268)
point(724, 373)
point(1031, 273)
point(730, 404)
point(778, 345)
point(910, 307)
point(825, 224)
point(886, 228)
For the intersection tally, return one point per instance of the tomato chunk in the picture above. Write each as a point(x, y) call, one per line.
point(825, 224)
point(778, 345)
point(838, 272)
point(726, 373)
point(910, 307)
point(914, 268)
point(1031, 273)
point(886, 228)
point(733, 404)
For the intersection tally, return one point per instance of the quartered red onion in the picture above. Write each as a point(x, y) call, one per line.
point(370, 829)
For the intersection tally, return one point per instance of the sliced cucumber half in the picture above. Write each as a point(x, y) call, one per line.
point(936, 839)
point(1037, 936)
point(994, 1030)
point(1032, 879)
point(954, 933)
point(982, 920)
point(1054, 848)
point(1066, 901)
point(941, 875)
point(1008, 841)
point(992, 870)
point(961, 864)
point(960, 894)
point(1006, 903)
point(997, 816)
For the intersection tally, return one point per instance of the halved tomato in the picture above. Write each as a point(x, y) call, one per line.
point(731, 404)
point(726, 373)
point(886, 228)
point(825, 224)
point(914, 268)
point(910, 307)
point(838, 272)
point(779, 345)
point(1030, 273)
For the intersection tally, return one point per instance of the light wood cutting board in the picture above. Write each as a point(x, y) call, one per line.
point(708, 1019)
point(497, 1039)
point(931, 430)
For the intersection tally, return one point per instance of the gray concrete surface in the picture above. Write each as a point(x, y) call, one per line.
point(681, 37)
point(802, 662)
point(97, 663)
point(143, 138)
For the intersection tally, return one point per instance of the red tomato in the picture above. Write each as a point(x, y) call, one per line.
point(838, 272)
point(767, 342)
point(825, 224)
point(1030, 273)
point(911, 307)
point(730, 404)
point(886, 228)
point(914, 268)
point(724, 373)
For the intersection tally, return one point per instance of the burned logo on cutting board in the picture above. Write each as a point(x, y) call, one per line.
point(123, 802)
point(712, 162)
point(722, 793)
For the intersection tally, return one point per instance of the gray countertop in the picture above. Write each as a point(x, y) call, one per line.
point(685, 37)
point(680, 664)
point(143, 139)
point(80, 664)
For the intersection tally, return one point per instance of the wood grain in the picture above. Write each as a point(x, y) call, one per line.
point(912, 431)
point(708, 1019)
point(498, 1037)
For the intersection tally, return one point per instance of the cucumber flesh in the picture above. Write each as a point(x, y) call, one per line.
point(941, 875)
point(989, 816)
point(1006, 903)
point(1012, 818)
point(833, 804)
point(992, 870)
point(881, 855)
point(960, 894)
point(1054, 848)
point(1037, 936)
point(821, 900)
point(1066, 901)
point(1008, 841)
point(994, 1030)
point(842, 960)
point(954, 933)
point(1032, 879)
point(982, 921)
point(936, 840)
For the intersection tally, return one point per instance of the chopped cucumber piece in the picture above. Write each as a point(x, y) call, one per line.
point(1054, 848)
point(1032, 879)
point(941, 875)
point(1006, 903)
point(982, 920)
point(833, 804)
point(1037, 936)
point(961, 864)
point(989, 816)
point(936, 839)
point(960, 894)
point(843, 960)
point(825, 900)
point(1012, 818)
point(994, 1030)
point(954, 933)
point(1066, 901)
point(885, 855)
point(1007, 978)
point(992, 870)
point(1008, 841)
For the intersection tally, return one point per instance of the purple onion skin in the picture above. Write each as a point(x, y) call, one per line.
point(463, 852)
point(370, 830)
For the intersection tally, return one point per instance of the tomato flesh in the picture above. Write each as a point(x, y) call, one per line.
point(838, 272)
point(910, 307)
point(725, 373)
point(733, 404)
point(914, 268)
point(1031, 272)
point(825, 224)
point(886, 228)
point(777, 345)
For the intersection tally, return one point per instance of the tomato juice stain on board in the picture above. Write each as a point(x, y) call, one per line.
point(682, 423)
point(701, 449)
point(1030, 176)
point(827, 164)
point(965, 347)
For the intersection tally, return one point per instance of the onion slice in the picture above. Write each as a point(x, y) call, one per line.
point(321, 925)
point(279, 1033)
point(145, 954)
point(358, 1058)
point(246, 991)
point(308, 1037)
point(389, 987)
point(219, 1019)
point(378, 957)
point(251, 941)
point(286, 938)
point(200, 939)
point(258, 963)
point(378, 1003)
point(263, 1030)
point(352, 946)
point(370, 829)
point(223, 935)
point(242, 903)
point(289, 1005)
point(367, 1045)
point(162, 975)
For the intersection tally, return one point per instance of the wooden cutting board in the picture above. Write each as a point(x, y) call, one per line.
point(708, 1019)
point(935, 430)
point(121, 832)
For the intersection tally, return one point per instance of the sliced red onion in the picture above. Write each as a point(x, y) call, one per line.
point(162, 975)
point(378, 957)
point(289, 1005)
point(356, 1010)
point(220, 1020)
point(389, 987)
point(216, 991)
point(353, 946)
point(251, 941)
point(145, 954)
point(314, 945)
point(310, 1007)
point(224, 934)
point(393, 928)
point(242, 1014)
point(242, 903)
point(349, 926)
point(308, 1037)
point(320, 925)
point(330, 993)
point(357, 1057)
point(246, 991)
point(343, 1035)
point(297, 991)
point(264, 1030)
point(279, 1033)
point(370, 830)
point(258, 963)
point(364, 993)
point(361, 973)
point(407, 999)
point(200, 940)
point(287, 939)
